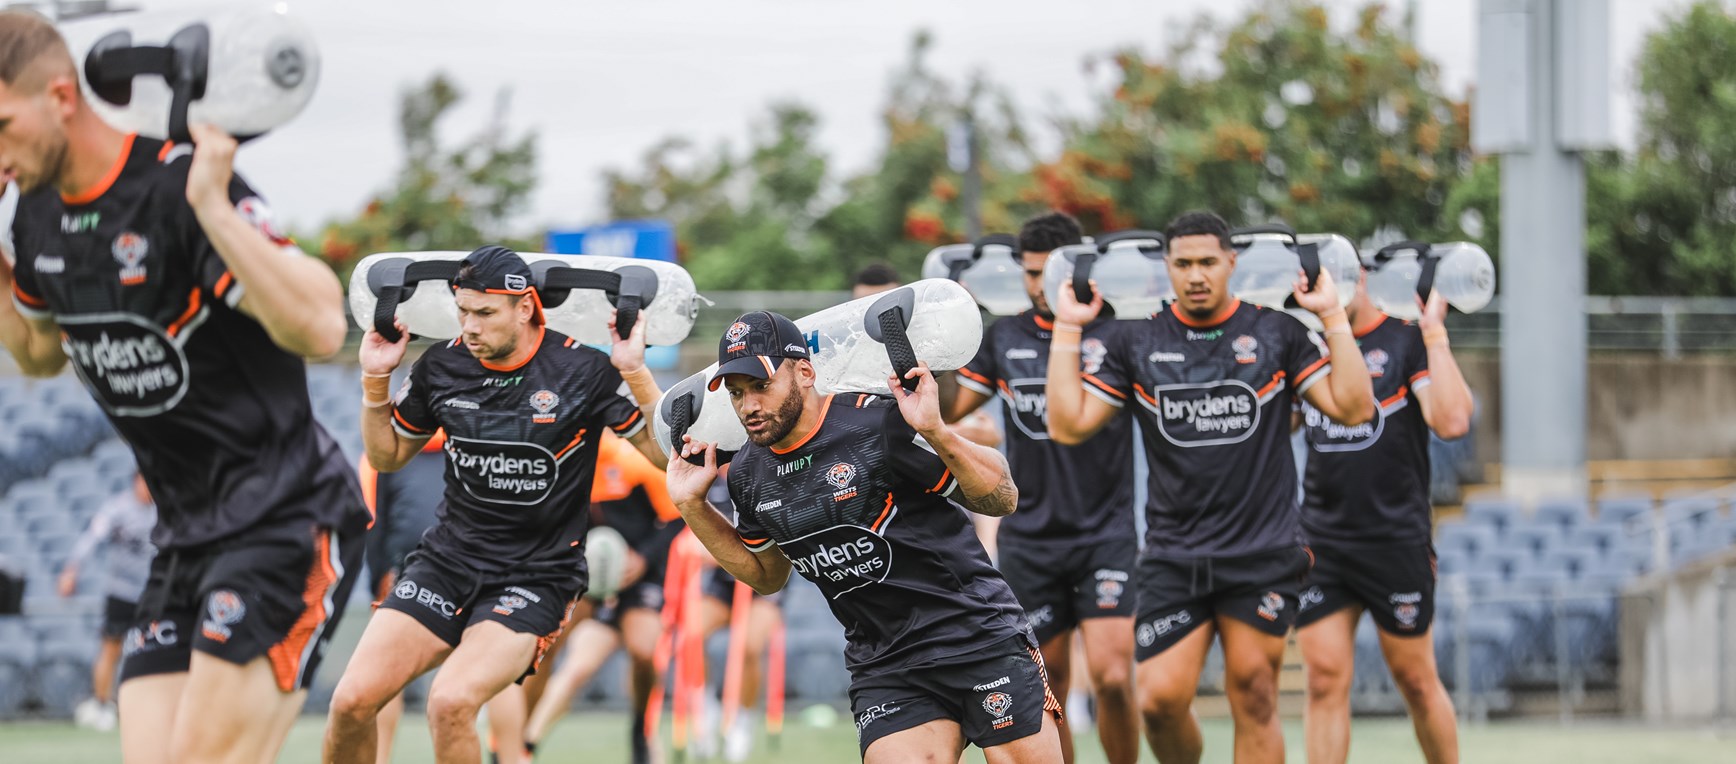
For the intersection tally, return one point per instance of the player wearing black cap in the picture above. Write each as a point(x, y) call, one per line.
point(1212, 382)
point(486, 591)
point(1071, 551)
point(158, 274)
point(1368, 519)
point(851, 490)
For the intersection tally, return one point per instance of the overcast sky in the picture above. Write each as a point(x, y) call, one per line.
point(601, 81)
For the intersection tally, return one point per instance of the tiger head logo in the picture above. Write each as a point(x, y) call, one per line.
point(841, 475)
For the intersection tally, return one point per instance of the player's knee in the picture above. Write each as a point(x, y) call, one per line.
point(1328, 679)
point(1162, 707)
point(350, 705)
point(453, 706)
point(1415, 680)
point(1112, 678)
point(1253, 694)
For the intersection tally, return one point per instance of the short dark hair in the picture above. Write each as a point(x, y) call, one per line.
point(1048, 231)
point(876, 274)
point(1198, 223)
point(26, 37)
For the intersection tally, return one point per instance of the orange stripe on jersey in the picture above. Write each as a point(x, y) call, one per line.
point(577, 439)
point(861, 398)
point(1276, 378)
point(286, 655)
point(186, 315)
point(163, 153)
point(224, 283)
point(884, 513)
point(1424, 374)
point(945, 475)
point(536, 345)
point(370, 480)
point(398, 415)
point(1104, 386)
point(26, 297)
point(631, 420)
point(108, 179)
point(752, 542)
point(1143, 394)
point(1308, 372)
point(973, 376)
point(1399, 396)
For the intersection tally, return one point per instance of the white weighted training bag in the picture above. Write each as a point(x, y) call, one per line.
point(1269, 258)
point(1401, 274)
point(989, 269)
point(578, 293)
point(854, 347)
point(246, 67)
point(1128, 267)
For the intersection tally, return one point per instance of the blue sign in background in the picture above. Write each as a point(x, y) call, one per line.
point(641, 239)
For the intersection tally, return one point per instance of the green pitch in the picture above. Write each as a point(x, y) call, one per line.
point(601, 737)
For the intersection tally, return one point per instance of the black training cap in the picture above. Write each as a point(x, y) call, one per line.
point(755, 344)
point(497, 270)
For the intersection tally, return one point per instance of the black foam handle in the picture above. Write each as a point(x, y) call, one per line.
point(1426, 278)
point(1390, 251)
point(955, 268)
point(898, 349)
point(680, 419)
point(1309, 254)
point(626, 314)
point(393, 291)
point(1082, 265)
point(989, 239)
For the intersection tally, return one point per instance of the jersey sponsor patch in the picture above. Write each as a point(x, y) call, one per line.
point(1207, 414)
point(132, 367)
point(1028, 402)
point(841, 559)
point(1328, 436)
point(503, 472)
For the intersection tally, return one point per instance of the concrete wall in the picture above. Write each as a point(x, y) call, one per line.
point(1678, 644)
point(1639, 405)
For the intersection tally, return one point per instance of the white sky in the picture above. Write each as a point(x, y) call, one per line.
point(602, 81)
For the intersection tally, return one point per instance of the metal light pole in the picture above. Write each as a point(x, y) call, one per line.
point(1542, 98)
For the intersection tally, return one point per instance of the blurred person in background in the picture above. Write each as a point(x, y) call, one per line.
point(1368, 520)
point(1070, 552)
point(122, 527)
point(874, 279)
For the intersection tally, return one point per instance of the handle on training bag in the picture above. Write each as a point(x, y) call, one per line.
point(680, 418)
point(1082, 265)
point(183, 64)
point(1426, 259)
point(1309, 255)
point(1107, 239)
point(892, 325)
point(1426, 278)
point(991, 239)
point(394, 280)
point(629, 289)
point(1263, 228)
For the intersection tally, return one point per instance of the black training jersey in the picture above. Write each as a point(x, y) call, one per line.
point(217, 414)
point(1214, 403)
point(521, 449)
point(859, 507)
point(1370, 483)
point(1071, 494)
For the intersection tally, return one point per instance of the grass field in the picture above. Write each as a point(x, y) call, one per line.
point(601, 739)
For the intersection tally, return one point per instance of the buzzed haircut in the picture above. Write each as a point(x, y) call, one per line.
point(1046, 232)
point(25, 38)
point(1199, 223)
point(876, 274)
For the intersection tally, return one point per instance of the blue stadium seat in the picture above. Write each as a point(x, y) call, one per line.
point(1533, 538)
point(1498, 513)
point(1503, 561)
point(1616, 510)
point(1471, 540)
point(1567, 513)
point(1597, 538)
point(1573, 561)
point(16, 660)
point(1692, 512)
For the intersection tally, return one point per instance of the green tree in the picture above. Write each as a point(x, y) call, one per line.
point(1292, 121)
point(444, 197)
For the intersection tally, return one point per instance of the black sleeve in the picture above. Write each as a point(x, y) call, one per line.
point(412, 411)
point(980, 374)
point(912, 459)
point(611, 406)
point(753, 535)
point(208, 266)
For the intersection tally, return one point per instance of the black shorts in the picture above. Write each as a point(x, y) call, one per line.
point(997, 696)
point(118, 615)
point(1176, 595)
point(447, 597)
point(642, 595)
point(1059, 586)
point(1396, 584)
point(276, 591)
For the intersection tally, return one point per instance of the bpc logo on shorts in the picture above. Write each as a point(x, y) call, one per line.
point(406, 590)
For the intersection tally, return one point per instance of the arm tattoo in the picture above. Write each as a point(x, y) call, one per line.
point(999, 502)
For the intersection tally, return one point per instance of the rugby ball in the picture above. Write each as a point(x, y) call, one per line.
point(606, 559)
